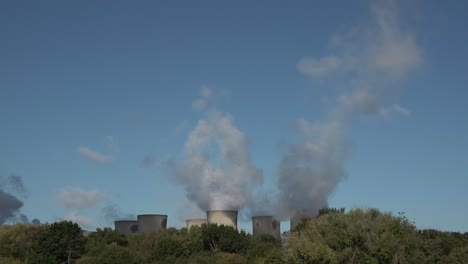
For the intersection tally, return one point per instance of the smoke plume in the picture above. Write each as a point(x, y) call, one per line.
point(112, 212)
point(217, 171)
point(375, 56)
point(10, 204)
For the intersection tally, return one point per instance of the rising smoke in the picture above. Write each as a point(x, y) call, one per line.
point(112, 212)
point(10, 204)
point(217, 172)
point(375, 56)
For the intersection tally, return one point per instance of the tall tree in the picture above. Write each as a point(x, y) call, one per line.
point(61, 242)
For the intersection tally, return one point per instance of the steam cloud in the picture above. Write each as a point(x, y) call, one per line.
point(98, 157)
point(376, 56)
point(217, 172)
point(224, 182)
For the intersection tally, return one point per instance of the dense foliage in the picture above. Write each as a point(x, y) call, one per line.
point(359, 236)
point(61, 242)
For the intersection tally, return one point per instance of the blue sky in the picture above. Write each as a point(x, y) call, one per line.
point(98, 97)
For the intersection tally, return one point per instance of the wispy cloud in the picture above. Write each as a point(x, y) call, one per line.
point(98, 157)
point(201, 102)
point(207, 95)
point(385, 111)
point(93, 155)
point(319, 67)
point(78, 198)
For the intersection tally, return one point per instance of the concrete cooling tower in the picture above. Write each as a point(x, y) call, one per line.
point(300, 215)
point(126, 226)
point(149, 223)
point(266, 225)
point(222, 217)
point(195, 222)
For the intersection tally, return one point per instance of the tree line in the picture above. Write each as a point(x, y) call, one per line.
point(358, 236)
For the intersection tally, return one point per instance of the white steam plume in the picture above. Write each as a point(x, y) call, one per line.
point(217, 171)
point(375, 56)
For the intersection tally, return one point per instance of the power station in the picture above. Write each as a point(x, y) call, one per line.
point(149, 223)
point(222, 217)
point(261, 225)
point(126, 226)
point(266, 225)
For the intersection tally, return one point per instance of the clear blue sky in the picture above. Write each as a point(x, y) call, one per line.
point(90, 90)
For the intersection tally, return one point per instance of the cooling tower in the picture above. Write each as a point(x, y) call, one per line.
point(222, 217)
point(300, 215)
point(126, 226)
point(195, 222)
point(266, 225)
point(149, 223)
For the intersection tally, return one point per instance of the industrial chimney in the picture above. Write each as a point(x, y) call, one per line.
point(222, 217)
point(149, 223)
point(266, 225)
point(126, 227)
point(195, 222)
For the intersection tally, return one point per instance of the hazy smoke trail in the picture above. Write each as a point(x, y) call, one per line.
point(217, 172)
point(376, 56)
point(9, 203)
point(112, 212)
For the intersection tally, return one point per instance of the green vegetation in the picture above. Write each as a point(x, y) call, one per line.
point(359, 236)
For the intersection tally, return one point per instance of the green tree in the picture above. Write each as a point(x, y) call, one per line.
point(264, 248)
point(223, 238)
point(325, 211)
point(180, 244)
point(142, 244)
point(98, 240)
point(457, 255)
point(361, 236)
point(61, 242)
point(16, 241)
point(437, 246)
